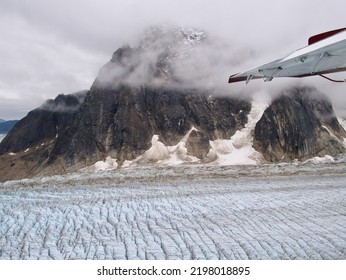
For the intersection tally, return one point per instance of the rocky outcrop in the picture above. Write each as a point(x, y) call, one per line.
point(299, 124)
point(198, 145)
point(121, 123)
point(42, 124)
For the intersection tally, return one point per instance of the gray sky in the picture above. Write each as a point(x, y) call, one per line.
point(49, 47)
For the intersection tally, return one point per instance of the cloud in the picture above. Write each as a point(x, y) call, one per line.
point(37, 66)
point(50, 47)
point(171, 56)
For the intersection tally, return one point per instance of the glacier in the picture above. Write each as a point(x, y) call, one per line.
point(271, 211)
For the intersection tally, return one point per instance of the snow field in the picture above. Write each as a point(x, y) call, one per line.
point(187, 212)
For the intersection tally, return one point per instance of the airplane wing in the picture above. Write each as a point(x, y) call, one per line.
point(326, 53)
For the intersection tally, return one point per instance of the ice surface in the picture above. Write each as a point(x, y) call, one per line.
point(286, 211)
point(238, 150)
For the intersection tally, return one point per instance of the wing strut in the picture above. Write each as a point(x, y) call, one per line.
point(249, 78)
point(332, 80)
point(267, 77)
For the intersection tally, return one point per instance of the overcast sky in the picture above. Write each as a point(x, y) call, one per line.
point(49, 47)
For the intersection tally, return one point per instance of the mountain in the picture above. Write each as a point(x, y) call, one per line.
point(299, 124)
point(157, 102)
point(42, 124)
point(122, 122)
point(162, 50)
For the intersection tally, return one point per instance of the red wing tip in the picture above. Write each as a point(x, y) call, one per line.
point(325, 35)
point(234, 79)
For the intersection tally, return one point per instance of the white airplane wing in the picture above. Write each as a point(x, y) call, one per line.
point(326, 53)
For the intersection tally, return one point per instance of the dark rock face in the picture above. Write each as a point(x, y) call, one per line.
point(42, 124)
point(198, 145)
point(122, 122)
point(119, 123)
point(299, 124)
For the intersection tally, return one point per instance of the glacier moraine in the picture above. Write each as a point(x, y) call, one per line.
point(184, 212)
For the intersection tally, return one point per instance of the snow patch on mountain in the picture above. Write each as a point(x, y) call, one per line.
point(2, 136)
point(327, 158)
point(342, 122)
point(321, 160)
point(161, 154)
point(105, 165)
point(238, 150)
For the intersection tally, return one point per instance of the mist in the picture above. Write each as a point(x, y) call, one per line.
point(175, 57)
point(53, 47)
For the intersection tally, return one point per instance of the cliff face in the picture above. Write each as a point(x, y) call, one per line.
point(121, 122)
point(42, 124)
point(299, 124)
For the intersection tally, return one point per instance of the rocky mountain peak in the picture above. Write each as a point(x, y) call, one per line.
point(168, 36)
point(299, 124)
point(64, 102)
point(155, 60)
point(121, 55)
point(43, 124)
